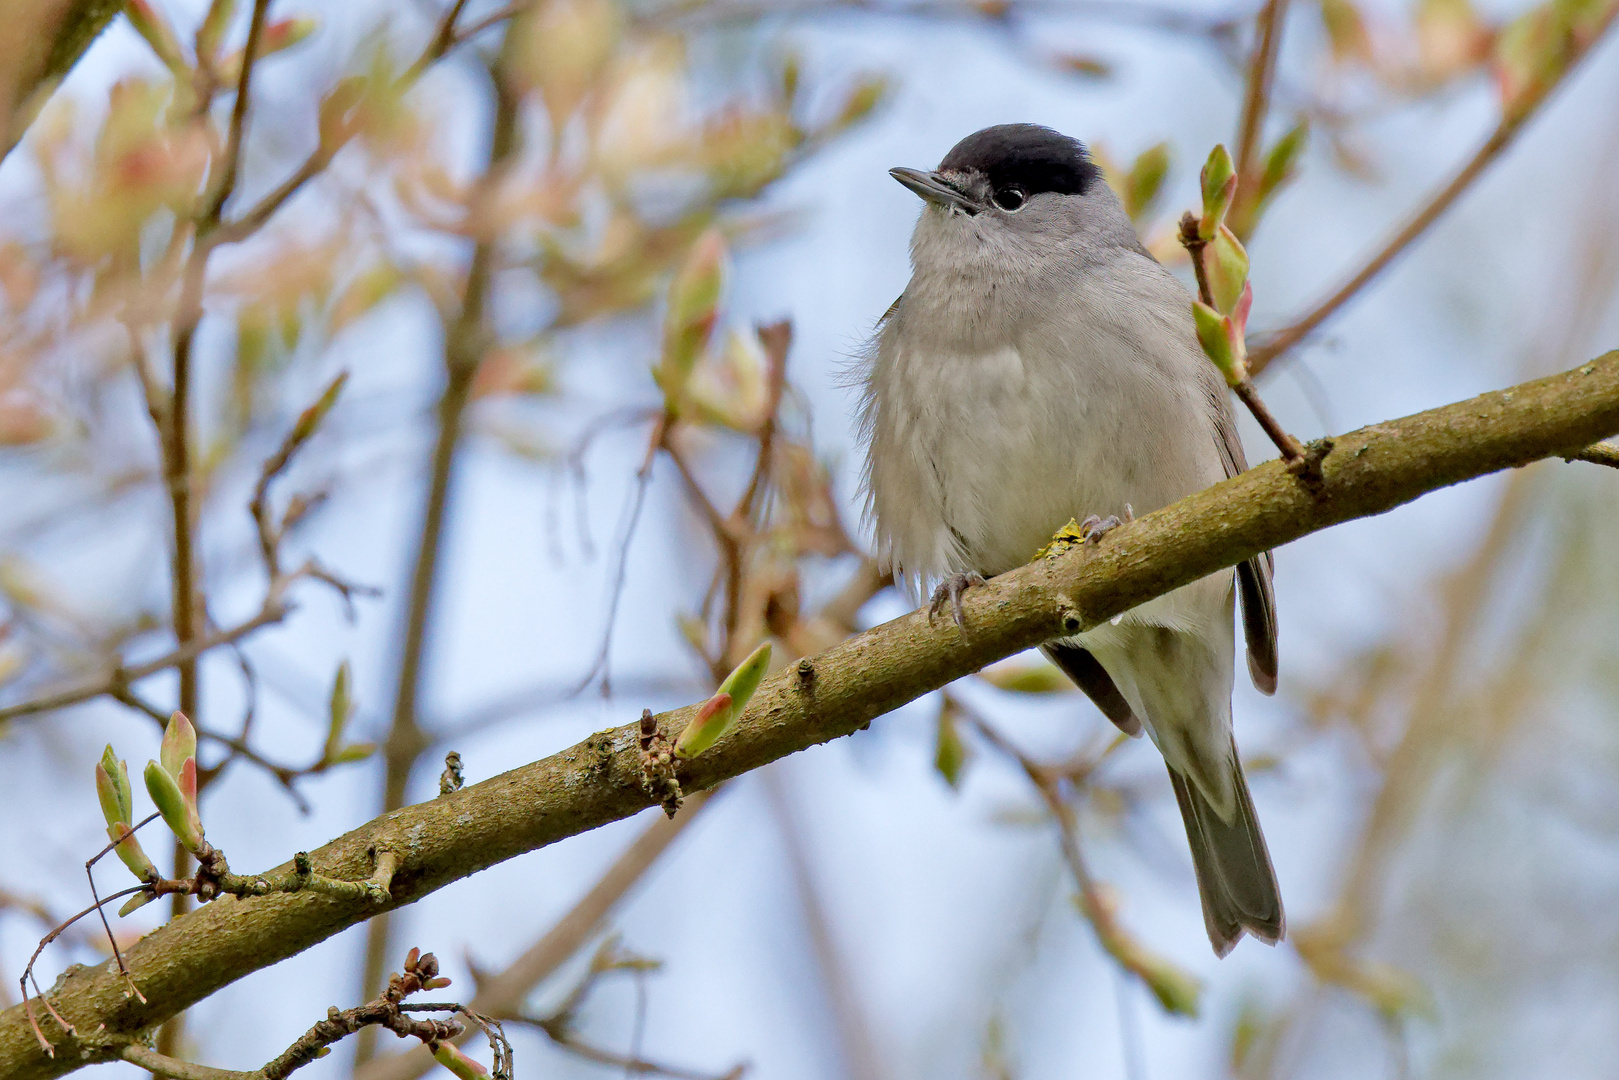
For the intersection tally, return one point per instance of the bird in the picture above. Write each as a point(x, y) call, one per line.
point(1040, 368)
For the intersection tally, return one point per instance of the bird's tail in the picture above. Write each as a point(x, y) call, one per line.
point(1234, 875)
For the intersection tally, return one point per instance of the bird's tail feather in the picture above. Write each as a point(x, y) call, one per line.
point(1234, 875)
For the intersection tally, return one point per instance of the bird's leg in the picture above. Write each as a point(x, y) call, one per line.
point(1094, 528)
point(949, 591)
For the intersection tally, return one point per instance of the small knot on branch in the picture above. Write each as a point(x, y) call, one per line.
point(658, 765)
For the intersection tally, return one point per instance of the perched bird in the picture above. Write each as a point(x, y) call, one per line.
point(1042, 367)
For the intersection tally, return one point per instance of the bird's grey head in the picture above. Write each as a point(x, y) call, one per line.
point(1011, 191)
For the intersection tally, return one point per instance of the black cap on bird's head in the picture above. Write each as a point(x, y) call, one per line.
point(1006, 165)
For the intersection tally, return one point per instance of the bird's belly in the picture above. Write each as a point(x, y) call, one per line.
point(1002, 456)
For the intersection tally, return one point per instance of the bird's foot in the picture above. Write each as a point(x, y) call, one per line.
point(1094, 528)
point(949, 592)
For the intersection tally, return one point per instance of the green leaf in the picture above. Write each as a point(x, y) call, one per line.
point(862, 101)
point(1039, 677)
point(309, 420)
point(340, 706)
point(694, 298)
point(212, 30)
point(152, 26)
point(1146, 180)
point(139, 900)
point(353, 752)
point(1282, 160)
point(950, 753)
point(1214, 334)
point(722, 710)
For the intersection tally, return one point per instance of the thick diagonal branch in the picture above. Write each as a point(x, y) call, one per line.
point(842, 690)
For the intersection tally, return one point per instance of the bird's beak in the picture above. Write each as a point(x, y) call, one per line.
point(935, 189)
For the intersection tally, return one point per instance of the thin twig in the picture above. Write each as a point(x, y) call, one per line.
point(1243, 384)
point(443, 39)
point(1598, 454)
point(1278, 343)
point(1257, 90)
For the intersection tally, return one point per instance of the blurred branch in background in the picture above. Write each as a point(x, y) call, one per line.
point(465, 340)
point(1533, 60)
point(840, 995)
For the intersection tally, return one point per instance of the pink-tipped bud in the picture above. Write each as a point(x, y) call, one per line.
point(179, 743)
point(719, 712)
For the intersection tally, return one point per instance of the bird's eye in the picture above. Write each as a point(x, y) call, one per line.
point(1010, 199)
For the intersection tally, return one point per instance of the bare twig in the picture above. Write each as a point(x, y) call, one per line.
point(1292, 451)
point(274, 609)
point(388, 1010)
point(1598, 454)
point(1176, 990)
point(859, 1050)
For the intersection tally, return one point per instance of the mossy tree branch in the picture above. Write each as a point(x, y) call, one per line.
point(1368, 472)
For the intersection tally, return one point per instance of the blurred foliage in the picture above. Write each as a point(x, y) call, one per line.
point(635, 181)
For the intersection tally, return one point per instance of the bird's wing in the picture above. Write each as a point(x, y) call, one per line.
point(1253, 576)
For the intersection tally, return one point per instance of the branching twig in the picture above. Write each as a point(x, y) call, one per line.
point(1429, 212)
point(388, 1011)
point(1293, 453)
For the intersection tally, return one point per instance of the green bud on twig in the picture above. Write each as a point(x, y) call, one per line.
point(1220, 344)
point(213, 26)
point(451, 1057)
point(721, 711)
point(152, 26)
point(139, 900)
point(179, 743)
point(112, 788)
point(118, 807)
point(340, 706)
point(950, 752)
point(1219, 178)
point(179, 812)
point(309, 420)
point(130, 853)
point(1282, 160)
point(1226, 264)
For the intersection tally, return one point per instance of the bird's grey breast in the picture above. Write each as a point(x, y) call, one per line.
point(997, 413)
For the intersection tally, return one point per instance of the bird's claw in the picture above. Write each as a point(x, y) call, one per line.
point(949, 592)
point(1094, 528)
